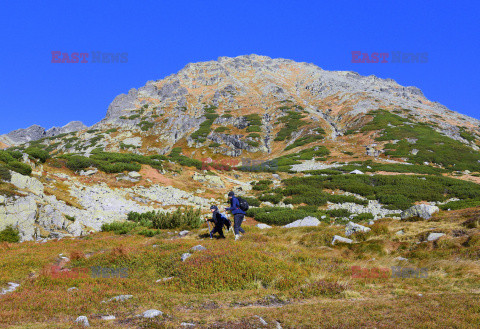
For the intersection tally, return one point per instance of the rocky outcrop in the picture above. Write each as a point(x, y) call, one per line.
point(27, 183)
point(36, 132)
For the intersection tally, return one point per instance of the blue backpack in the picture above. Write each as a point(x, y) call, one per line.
point(226, 221)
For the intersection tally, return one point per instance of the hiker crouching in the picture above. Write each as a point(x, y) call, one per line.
point(218, 222)
point(238, 214)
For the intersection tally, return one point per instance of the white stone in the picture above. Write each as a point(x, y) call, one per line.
point(356, 172)
point(198, 248)
point(263, 226)
point(108, 317)
point(83, 321)
point(307, 221)
point(134, 175)
point(185, 256)
point(152, 313)
point(338, 238)
point(434, 236)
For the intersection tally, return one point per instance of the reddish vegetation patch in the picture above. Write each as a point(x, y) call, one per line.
point(393, 173)
point(155, 176)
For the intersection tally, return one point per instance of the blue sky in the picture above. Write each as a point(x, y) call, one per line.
point(161, 37)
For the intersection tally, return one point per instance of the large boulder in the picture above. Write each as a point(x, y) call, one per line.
point(27, 183)
point(307, 221)
point(20, 213)
point(352, 228)
point(420, 210)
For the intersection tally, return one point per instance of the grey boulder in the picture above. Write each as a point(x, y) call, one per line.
point(420, 210)
point(185, 256)
point(434, 236)
point(352, 228)
point(83, 321)
point(338, 238)
point(307, 221)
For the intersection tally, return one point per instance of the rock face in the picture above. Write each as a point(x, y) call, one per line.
point(307, 221)
point(27, 183)
point(36, 132)
point(421, 210)
point(352, 228)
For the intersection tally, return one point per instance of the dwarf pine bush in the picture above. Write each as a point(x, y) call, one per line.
point(181, 218)
point(9, 234)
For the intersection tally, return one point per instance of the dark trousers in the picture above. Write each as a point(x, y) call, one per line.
point(218, 229)
point(237, 222)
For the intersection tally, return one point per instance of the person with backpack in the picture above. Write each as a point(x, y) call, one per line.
point(218, 219)
point(238, 207)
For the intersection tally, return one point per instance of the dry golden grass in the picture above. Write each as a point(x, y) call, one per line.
point(284, 261)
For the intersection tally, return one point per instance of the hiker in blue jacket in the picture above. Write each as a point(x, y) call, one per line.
point(218, 221)
point(238, 214)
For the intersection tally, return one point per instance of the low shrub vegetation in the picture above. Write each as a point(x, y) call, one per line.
point(9, 234)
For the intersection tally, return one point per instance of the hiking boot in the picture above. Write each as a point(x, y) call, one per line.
point(237, 236)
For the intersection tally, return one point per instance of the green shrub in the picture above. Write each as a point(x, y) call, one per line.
point(37, 153)
point(181, 218)
point(134, 116)
point(254, 135)
point(252, 201)
point(145, 125)
point(261, 185)
point(5, 173)
point(214, 145)
point(292, 122)
point(119, 227)
point(462, 204)
point(273, 198)
point(254, 119)
point(339, 213)
point(112, 130)
point(276, 215)
point(304, 140)
point(254, 129)
point(9, 234)
point(432, 146)
point(78, 162)
point(20, 167)
point(253, 143)
point(395, 191)
point(183, 160)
